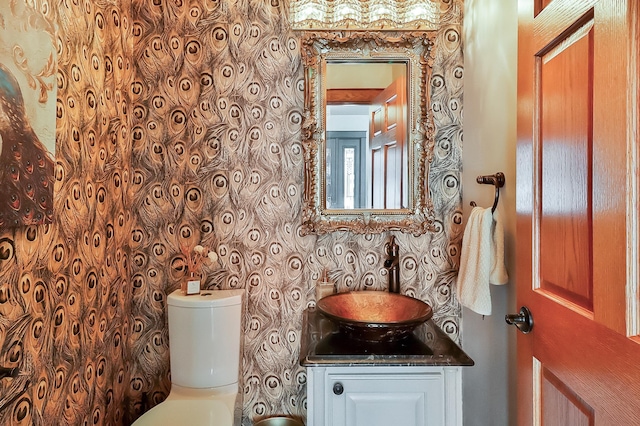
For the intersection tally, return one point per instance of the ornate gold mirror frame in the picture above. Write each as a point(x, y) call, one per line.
point(414, 49)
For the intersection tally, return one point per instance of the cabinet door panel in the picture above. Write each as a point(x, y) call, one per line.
point(406, 400)
point(366, 409)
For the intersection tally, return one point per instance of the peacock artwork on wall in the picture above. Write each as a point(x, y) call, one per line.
point(26, 169)
point(27, 117)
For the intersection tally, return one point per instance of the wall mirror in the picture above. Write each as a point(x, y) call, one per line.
point(368, 131)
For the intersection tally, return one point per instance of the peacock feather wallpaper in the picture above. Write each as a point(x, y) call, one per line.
point(178, 122)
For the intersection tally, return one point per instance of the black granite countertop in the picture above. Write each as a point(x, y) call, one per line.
point(323, 344)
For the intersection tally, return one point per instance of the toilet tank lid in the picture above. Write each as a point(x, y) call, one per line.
point(206, 298)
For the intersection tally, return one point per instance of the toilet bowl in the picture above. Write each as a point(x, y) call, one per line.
point(204, 346)
point(184, 407)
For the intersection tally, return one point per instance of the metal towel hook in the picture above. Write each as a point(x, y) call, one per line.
point(496, 180)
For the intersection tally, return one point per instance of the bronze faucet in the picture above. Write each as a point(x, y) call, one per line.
point(392, 264)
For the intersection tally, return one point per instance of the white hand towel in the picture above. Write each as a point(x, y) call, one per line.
point(481, 260)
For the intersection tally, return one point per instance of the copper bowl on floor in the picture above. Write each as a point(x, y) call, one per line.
point(375, 315)
point(279, 421)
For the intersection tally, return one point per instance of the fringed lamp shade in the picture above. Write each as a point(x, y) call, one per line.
point(389, 15)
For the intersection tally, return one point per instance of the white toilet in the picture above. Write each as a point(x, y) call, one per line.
point(204, 343)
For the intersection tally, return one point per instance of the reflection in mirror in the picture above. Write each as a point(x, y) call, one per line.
point(368, 131)
point(366, 142)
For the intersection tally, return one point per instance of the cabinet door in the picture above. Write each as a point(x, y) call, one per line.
point(383, 400)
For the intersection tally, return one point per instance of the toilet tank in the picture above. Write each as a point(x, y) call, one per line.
point(204, 338)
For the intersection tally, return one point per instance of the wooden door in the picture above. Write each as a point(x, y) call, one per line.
point(577, 207)
point(388, 147)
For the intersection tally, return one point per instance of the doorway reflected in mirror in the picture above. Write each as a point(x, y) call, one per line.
point(366, 150)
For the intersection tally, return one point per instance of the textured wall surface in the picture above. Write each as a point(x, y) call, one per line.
point(218, 101)
point(64, 287)
point(179, 123)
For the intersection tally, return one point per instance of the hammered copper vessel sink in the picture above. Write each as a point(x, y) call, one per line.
point(375, 315)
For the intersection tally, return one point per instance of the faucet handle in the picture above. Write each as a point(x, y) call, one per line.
point(391, 247)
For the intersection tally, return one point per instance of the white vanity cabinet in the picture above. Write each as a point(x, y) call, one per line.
point(412, 381)
point(384, 395)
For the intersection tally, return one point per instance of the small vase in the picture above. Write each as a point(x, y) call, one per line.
point(191, 283)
